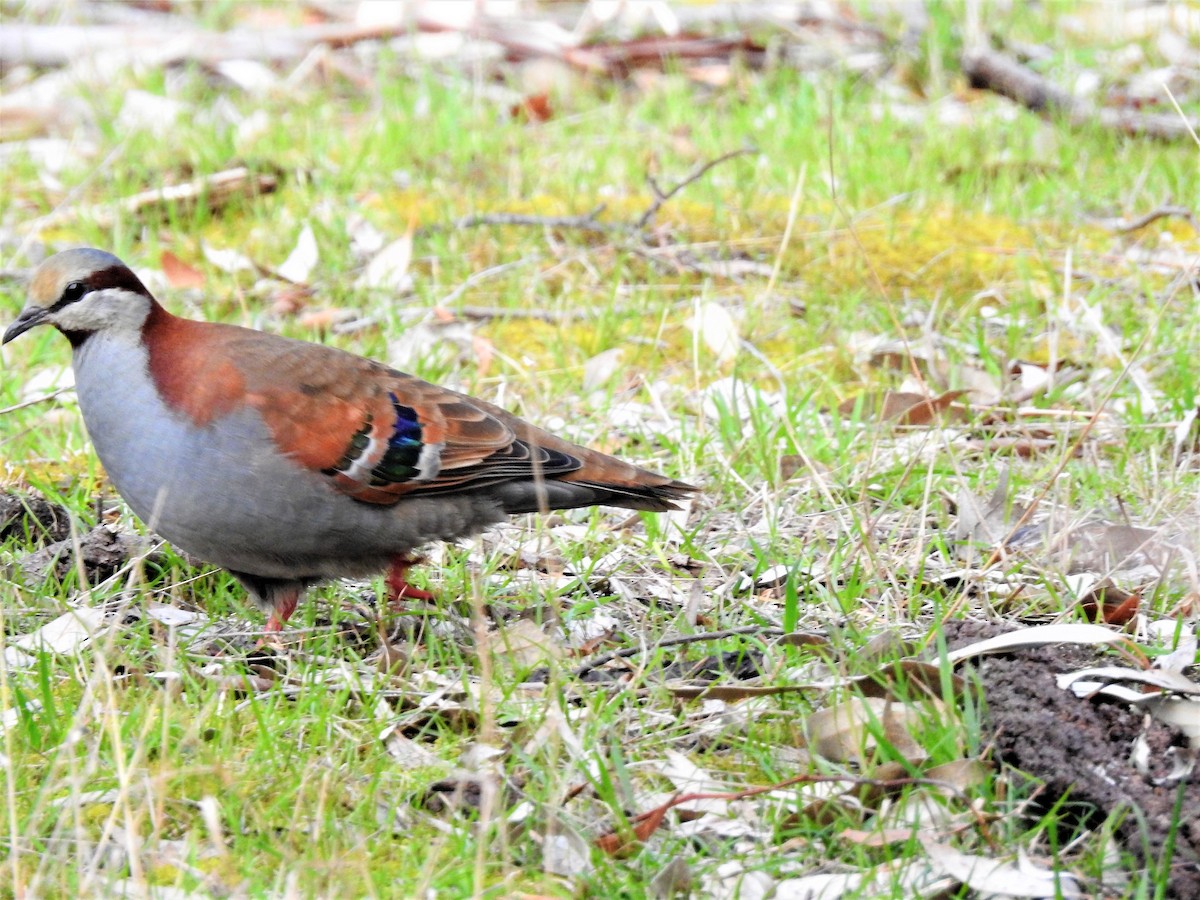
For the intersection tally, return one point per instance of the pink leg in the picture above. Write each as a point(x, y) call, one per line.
point(397, 580)
point(282, 609)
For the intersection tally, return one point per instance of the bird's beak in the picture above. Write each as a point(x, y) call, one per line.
point(30, 317)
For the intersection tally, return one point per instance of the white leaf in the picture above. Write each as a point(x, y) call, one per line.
point(1168, 681)
point(566, 854)
point(991, 876)
point(149, 112)
point(303, 258)
point(172, 616)
point(718, 330)
point(1181, 714)
point(1038, 636)
point(827, 886)
point(389, 267)
point(248, 74)
point(601, 368)
point(11, 716)
point(1185, 653)
point(408, 753)
point(228, 261)
point(67, 633)
point(365, 239)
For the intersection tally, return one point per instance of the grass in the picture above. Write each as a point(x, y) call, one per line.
point(149, 757)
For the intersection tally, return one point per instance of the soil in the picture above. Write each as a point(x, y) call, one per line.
point(32, 519)
point(1080, 753)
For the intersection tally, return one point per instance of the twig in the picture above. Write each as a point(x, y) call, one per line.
point(585, 222)
point(477, 277)
point(589, 221)
point(644, 824)
point(35, 401)
point(1004, 75)
point(1124, 226)
point(216, 189)
point(553, 316)
point(699, 172)
point(763, 630)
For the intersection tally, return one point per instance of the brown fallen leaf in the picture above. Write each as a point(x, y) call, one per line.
point(900, 407)
point(1107, 603)
point(622, 844)
point(180, 274)
point(534, 108)
point(485, 352)
point(324, 319)
point(289, 299)
point(789, 465)
point(882, 838)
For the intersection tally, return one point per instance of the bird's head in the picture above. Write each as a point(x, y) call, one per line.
point(81, 292)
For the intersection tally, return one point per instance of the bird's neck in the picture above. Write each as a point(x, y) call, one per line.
point(191, 366)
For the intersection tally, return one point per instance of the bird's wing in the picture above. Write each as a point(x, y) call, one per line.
point(379, 434)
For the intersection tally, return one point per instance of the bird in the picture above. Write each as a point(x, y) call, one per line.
point(290, 463)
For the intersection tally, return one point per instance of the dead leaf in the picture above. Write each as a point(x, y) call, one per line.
point(302, 260)
point(388, 269)
point(1038, 636)
point(850, 730)
point(66, 634)
point(881, 838)
point(534, 108)
point(992, 876)
point(1173, 682)
point(718, 330)
point(984, 524)
point(627, 843)
point(289, 299)
point(565, 853)
point(324, 319)
point(485, 352)
point(602, 368)
point(228, 261)
point(716, 75)
point(900, 407)
point(790, 464)
point(180, 274)
point(1108, 603)
point(407, 753)
point(961, 774)
point(524, 644)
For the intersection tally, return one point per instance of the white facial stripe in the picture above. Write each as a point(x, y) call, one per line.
point(110, 309)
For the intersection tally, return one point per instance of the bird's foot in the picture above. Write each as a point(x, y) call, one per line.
point(283, 605)
point(397, 581)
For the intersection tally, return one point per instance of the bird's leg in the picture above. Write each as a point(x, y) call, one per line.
point(283, 604)
point(397, 580)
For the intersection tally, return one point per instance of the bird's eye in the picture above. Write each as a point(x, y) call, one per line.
point(73, 291)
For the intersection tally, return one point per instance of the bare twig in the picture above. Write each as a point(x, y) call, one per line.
point(216, 189)
point(1004, 75)
point(759, 630)
point(620, 843)
point(553, 316)
point(589, 221)
point(476, 278)
point(585, 222)
point(661, 197)
point(1124, 226)
point(35, 401)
